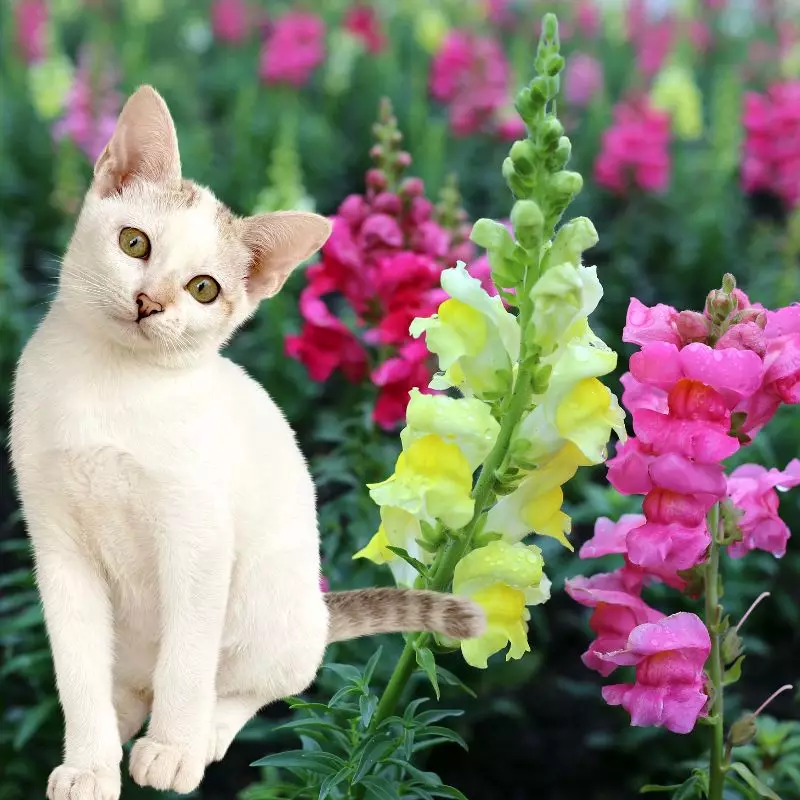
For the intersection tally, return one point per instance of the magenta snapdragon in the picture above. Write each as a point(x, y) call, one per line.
point(699, 388)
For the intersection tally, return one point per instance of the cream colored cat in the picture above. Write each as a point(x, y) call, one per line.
point(171, 512)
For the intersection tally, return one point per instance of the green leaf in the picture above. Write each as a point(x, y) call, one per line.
point(427, 663)
point(412, 707)
point(332, 781)
point(346, 672)
point(32, 721)
point(379, 789)
point(371, 664)
point(652, 787)
point(448, 678)
point(407, 557)
point(733, 673)
point(301, 760)
point(448, 791)
point(427, 778)
point(437, 714)
point(752, 781)
point(444, 734)
point(375, 751)
point(367, 705)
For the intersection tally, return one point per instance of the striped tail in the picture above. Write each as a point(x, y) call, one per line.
point(366, 612)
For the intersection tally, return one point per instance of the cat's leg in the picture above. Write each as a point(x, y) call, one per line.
point(78, 616)
point(275, 640)
point(132, 708)
point(195, 554)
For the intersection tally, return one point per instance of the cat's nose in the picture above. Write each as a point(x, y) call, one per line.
point(146, 306)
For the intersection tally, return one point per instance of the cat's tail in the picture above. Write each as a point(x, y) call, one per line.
point(365, 612)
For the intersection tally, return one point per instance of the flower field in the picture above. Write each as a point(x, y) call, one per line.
point(549, 359)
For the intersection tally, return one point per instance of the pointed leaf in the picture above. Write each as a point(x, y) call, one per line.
point(374, 752)
point(752, 781)
point(407, 557)
point(427, 663)
point(371, 664)
point(301, 760)
point(346, 672)
point(379, 789)
point(733, 673)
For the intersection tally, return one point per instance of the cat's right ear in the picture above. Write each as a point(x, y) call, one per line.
point(144, 145)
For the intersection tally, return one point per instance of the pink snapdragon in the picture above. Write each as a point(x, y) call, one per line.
point(91, 111)
point(635, 150)
point(470, 74)
point(31, 18)
point(364, 23)
point(669, 655)
point(751, 488)
point(230, 20)
point(383, 264)
point(583, 79)
point(294, 48)
point(616, 612)
point(771, 160)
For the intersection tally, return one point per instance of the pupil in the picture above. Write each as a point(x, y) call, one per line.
point(201, 287)
point(134, 241)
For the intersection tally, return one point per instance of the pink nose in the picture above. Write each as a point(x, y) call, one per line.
point(147, 306)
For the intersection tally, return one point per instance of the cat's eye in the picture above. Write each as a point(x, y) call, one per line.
point(134, 243)
point(203, 288)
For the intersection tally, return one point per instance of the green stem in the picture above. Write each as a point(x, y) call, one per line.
point(446, 559)
point(716, 769)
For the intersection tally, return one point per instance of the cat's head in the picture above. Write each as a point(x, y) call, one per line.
point(157, 263)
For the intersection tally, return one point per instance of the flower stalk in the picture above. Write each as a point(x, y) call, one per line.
point(717, 761)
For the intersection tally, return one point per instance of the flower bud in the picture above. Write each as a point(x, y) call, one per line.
point(728, 283)
point(528, 222)
point(743, 731)
point(550, 27)
point(412, 187)
point(376, 180)
point(572, 240)
point(692, 326)
point(551, 131)
point(563, 186)
point(520, 185)
point(719, 305)
point(387, 203)
point(403, 159)
point(523, 154)
point(756, 315)
point(553, 64)
point(541, 378)
point(354, 209)
point(491, 235)
point(732, 647)
point(376, 152)
point(558, 160)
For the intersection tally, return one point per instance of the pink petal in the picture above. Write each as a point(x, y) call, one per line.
point(667, 547)
point(736, 374)
point(628, 470)
point(680, 474)
point(657, 364)
point(656, 324)
point(609, 537)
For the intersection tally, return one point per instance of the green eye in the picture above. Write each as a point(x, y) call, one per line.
point(134, 243)
point(203, 288)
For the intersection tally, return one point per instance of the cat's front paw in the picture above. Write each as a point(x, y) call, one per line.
point(166, 766)
point(70, 783)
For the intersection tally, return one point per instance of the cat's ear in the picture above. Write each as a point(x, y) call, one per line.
point(279, 242)
point(144, 145)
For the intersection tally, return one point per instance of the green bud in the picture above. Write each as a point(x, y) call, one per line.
point(550, 27)
point(541, 378)
point(553, 64)
point(728, 283)
point(491, 235)
point(572, 240)
point(528, 222)
point(560, 156)
point(732, 646)
point(550, 132)
point(520, 185)
point(523, 154)
point(743, 731)
point(540, 91)
point(565, 184)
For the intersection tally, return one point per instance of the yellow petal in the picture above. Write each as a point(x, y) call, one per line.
point(376, 549)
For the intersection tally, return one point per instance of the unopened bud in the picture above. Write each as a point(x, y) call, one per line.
point(528, 222)
point(732, 646)
point(692, 326)
point(558, 160)
point(541, 378)
point(756, 315)
point(523, 154)
point(387, 203)
point(403, 159)
point(564, 185)
point(376, 152)
point(719, 305)
point(743, 731)
point(551, 131)
point(728, 283)
point(550, 27)
point(376, 179)
point(412, 187)
point(553, 64)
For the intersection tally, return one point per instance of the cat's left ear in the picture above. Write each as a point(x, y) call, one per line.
point(279, 242)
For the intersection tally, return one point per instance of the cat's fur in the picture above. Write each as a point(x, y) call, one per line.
point(171, 512)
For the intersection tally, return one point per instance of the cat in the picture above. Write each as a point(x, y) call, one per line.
point(171, 512)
